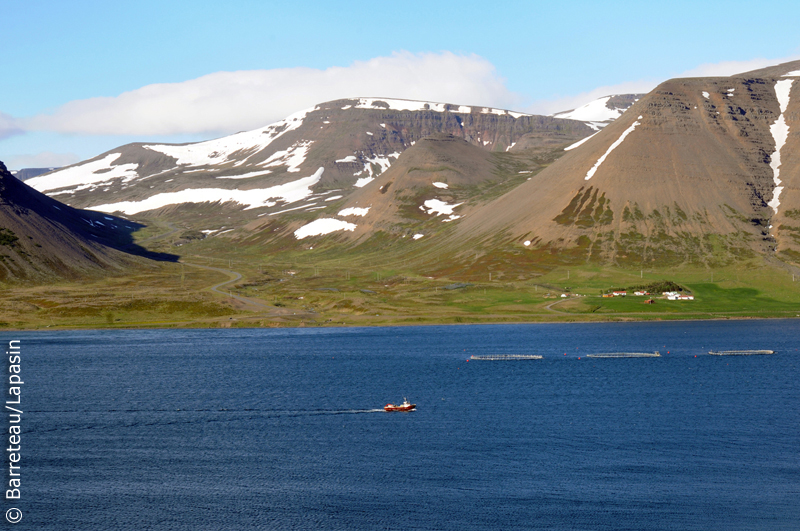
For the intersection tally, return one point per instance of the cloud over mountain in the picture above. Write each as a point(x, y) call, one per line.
point(44, 159)
point(225, 102)
point(640, 86)
point(729, 68)
point(8, 126)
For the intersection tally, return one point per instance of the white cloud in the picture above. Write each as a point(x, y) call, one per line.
point(729, 68)
point(573, 102)
point(225, 102)
point(643, 86)
point(45, 159)
point(8, 126)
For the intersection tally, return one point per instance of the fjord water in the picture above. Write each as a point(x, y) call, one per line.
point(283, 428)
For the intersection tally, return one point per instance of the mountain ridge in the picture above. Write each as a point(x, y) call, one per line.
point(690, 161)
point(368, 134)
point(700, 171)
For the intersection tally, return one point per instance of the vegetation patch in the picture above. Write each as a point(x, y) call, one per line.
point(7, 237)
point(653, 287)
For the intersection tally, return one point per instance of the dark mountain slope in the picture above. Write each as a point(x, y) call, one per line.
point(42, 239)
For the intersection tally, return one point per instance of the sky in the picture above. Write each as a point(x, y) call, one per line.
point(82, 77)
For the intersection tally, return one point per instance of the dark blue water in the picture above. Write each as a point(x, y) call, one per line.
point(282, 429)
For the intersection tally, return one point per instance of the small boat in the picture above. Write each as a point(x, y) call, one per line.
point(405, 406)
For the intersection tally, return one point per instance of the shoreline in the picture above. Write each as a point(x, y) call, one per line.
point(304, 324)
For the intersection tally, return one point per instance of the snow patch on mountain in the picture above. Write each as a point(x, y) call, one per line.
point(578, 143)
point(220, 150)
point(438, 207)
point(780, 132)
point(264, 197)
point(321, 226)
point(95, 172)
point(596, 112)
point(292, 157)
point(354, 211)
point(613, 146)
point(383, 163)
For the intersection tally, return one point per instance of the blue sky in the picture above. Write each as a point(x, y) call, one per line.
point(82, 77)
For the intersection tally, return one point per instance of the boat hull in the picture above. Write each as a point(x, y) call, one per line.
point(404, 407)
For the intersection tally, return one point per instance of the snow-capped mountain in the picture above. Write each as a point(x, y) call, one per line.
point(301, 161)
point(700, 170)
point(602, 111)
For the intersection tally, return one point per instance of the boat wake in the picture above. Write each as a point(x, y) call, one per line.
point(315, 412)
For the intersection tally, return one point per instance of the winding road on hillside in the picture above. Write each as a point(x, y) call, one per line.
point(549, 307)
point(234, 277)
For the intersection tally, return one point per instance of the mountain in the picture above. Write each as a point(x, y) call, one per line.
point(332, 149)
point(700, 170)
point(27, 173)
point(428, 180)
point(602, 111)
point(41, 238)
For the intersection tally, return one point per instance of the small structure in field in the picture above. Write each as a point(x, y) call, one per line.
point(678, 296)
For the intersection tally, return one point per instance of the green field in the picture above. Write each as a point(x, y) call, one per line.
point(385, 283)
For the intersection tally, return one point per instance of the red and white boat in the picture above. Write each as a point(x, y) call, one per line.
point(405, 406)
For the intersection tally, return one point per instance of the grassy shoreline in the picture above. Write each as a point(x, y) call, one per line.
point(245, 289)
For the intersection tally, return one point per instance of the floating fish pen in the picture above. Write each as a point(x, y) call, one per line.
point(655, 354)
point(740, 352)
point(506, 357)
